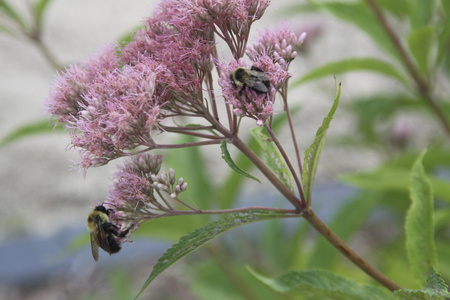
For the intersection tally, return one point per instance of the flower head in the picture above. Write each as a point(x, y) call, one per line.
point(279, 43)
point(118, 113)
point(246, 102)
point(66, 95)
point(139, 190)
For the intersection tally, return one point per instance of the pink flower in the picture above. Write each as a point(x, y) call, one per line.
point(279, 43)
point(137, 184)
point(66, 93)
point(231, 20)
point(118, 113)
point(246, 102)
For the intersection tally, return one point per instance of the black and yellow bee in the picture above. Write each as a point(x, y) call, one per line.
point(254, 78)
point(103, 232)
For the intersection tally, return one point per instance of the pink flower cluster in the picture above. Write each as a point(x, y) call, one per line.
point(280, 44)
point(247, 103)
point(115, 101)
point(139, 191)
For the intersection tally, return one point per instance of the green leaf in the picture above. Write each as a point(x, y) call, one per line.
point(30, 129)
point(395, 179)
point(419, 225)
point(40, 7)
point(201, 236)
point(446, 6)
point(312, 153)
point(274, 159)
point(420, 13)
point(420, 41)
point(397, 7)
point(227, 157)
point(9, 11)
point(377, 109)
point(443, 36)
point(352, 64)
point(360, 15)
point(434, 289)
point(319, 284)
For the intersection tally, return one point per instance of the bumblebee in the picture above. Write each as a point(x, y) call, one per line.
point(254, 78)
point(103, 232)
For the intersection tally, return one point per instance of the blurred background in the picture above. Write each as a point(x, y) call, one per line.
point(361, 189)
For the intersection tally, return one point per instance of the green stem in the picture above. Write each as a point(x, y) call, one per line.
point(422, 86)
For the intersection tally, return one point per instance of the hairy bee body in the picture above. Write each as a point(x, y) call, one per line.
point(103, 232)
point(254, 78)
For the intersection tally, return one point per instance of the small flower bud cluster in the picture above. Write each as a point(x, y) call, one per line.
point(136, 187)
point(279, 43)
point(165, 182)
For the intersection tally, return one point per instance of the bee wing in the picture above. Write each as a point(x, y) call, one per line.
point(99, 238)
point(94, 246)
point(260, 87)
point(102, 237)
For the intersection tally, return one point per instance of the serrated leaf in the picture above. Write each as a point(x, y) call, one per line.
point(360, 15)
point(30, 129)
point(319, 284)
point(203, 235)
point(436, 288)
point(227, 157)
point(40, 7)
point(9, 11)
point(312, 153)
point(420, 42)
point(352, 64)
point(435, 281)
point(419, 225)
point(274, 159)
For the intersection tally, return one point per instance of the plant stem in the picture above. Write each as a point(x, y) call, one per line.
point(422, 86)
point(288, 162)
point(323, 229)
point(291, 128)
point(284, 190)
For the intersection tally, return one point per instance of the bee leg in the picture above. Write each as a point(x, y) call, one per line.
point(110, 228)
point(114, 246)
point(242, 90)
point(123, 233)
point(113, 229)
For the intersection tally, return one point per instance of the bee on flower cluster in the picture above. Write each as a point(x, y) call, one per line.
point(254, 78)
